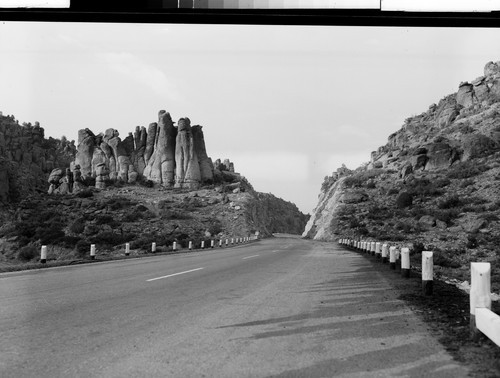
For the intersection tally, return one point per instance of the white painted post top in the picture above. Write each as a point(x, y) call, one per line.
point(480, 286)
point(427, 266)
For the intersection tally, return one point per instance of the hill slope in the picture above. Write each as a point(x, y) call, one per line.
point(435, 184)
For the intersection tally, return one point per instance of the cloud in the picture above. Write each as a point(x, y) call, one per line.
point(143, 73)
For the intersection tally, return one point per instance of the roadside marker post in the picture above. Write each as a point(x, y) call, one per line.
point(211, 243)
point(174, 246)
point(190, 245)
point(203, 244)
point(220, 243)
point(153, 247)
point(127, 249)
point(92, 251)
point(427, 272)
point(378, 253)
point(405, 262)
point(480, 288)
point(385, 253)
point(43, 254)
point(392, 258)
point(227, 242)
point(232, 241)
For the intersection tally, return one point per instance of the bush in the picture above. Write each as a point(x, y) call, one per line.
point(417, 248)
point(78, 226)
point(27, 253)
point(440, 258)
point(85, 193)
point(450, 202)
point(472, 241)
point(466, 169)
point(215, 227)
point(423, 187)
point(403, 200)
point(83, 248)
point(359, 179)
point(447, 215)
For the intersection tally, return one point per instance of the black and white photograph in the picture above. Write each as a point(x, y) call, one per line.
point(254, 199)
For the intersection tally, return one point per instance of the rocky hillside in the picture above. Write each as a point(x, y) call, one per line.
point(157, 186)
point(435, 184)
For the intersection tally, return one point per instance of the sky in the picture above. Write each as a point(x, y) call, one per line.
point(287, 104)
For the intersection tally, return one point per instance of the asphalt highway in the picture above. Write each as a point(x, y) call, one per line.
point(279, 307)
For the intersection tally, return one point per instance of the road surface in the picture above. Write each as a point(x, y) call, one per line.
point(280, 307)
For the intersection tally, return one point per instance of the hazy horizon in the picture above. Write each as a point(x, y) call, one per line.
point(287, 104)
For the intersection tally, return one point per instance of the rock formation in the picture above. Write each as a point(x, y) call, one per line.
point(165, 154)
point(160, 166)
point(27, 158)
point(188, 169)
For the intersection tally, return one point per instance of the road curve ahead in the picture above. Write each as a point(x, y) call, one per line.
point(280, 307)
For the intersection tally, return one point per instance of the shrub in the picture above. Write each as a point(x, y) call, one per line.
point(466, 183)
point(215, 227)
point(146, 183)
point(82, 248)
point(85, 193)
point(404, 199)
point(450, 202)
point(27, 253)
point(106, 219)
point(417, 248)
point(392, 191)
point(424, 187)
point(472, 241)
point(359, 179)
point(447, 215)
point(467, 169)
point(78, 226)
point(440, 258)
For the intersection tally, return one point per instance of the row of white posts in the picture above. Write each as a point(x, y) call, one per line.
point(232, 241)
point(482, 318)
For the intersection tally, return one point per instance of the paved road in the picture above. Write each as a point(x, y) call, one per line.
point(281, 307)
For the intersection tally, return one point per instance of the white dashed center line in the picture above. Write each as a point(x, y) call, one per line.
point(175, 274)
point(249, 257)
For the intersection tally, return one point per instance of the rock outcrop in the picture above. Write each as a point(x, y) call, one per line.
point(165, 154)
point(27, 158)
point(187, 167)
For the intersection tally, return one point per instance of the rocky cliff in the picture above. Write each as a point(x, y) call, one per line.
point(435, 184)
point(27, 158)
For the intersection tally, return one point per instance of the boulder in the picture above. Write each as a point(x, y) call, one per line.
point(465, 95)
point(440, 155)
point(55, 176)
point(418, 162)
point(405, 171)
point(491, 69)
point(472, 224)
point(427, 220)
point(481, 89)
point(477, 145)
